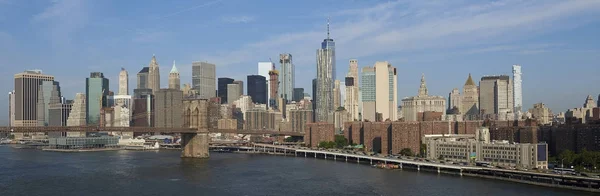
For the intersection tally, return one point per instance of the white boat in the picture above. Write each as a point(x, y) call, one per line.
point(5, 141)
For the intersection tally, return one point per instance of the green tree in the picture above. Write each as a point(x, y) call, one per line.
point(406, 152)
point(567, 158)
point(340, 141)
point(323, 144)
point(423, 150)
point(330, 144)
point(289, 139)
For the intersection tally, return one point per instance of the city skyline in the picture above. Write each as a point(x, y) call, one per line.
point(542, 50)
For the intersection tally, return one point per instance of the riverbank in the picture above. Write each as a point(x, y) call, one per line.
point(82, 150)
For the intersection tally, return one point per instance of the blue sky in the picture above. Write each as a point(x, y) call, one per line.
point(555, 41)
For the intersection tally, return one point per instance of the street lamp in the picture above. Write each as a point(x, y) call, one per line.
point(562, 163)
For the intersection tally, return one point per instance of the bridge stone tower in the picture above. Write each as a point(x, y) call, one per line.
point(195, 145)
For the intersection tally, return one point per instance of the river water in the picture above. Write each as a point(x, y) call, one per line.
point(34, 172)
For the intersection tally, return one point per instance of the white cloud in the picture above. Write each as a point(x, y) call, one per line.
point(238, 19)
point(389, 28)
point(190, 8)
point(62, 19)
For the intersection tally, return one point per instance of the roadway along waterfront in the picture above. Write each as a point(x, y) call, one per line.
point(528, 177)
point(34, 172)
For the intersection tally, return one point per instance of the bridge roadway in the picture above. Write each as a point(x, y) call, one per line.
point(142, 130)
point(358, 158)
point(529, 177)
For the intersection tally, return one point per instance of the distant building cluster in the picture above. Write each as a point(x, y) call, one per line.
point(365, 99)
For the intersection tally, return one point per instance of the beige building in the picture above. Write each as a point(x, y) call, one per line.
point(351, 102)
point(386, 90)
point(233, 92)
point(467, 103)
point(340, 117)
point(479, 149)
point(454, 99)
point(260, 119)
point(227, 124)
point(174, 79)
point(299, 118)
point(541, 113)
point(337, 95)
point(470, 100)
point(123, 82)
point(584, 113)
point(153, 75)
point(496, 96)
point(77, 115)
point(244, 103)
point(168, 102)
point(412, 106)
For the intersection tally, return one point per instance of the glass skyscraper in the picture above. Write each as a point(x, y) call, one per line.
point(96, 91)
point(325, 78)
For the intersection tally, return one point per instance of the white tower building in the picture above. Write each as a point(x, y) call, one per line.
point(517, 89)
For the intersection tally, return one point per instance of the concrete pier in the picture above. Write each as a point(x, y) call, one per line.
point(194, 145)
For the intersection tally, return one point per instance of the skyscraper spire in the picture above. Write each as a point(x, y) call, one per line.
point(174, 69)
point(327, 27)
point(423, 87)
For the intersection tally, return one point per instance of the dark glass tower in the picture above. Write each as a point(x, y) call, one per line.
point(222, 88)
point(257, 88)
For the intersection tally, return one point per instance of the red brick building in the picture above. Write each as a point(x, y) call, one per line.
point(314, 133)
point(392, 137)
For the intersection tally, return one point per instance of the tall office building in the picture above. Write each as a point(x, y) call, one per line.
point(314, 99)
point(142, 78)
point(11, 108)
point(517, 89)
point(470, 100)
point(455, 100)
point(386, 89)
point(273, 87)
point(337, 95)
point(49, 93)
point(367, 91)
point(59, 113)
point(263, 69)
point(298, 94)
point(496, 95)
point(233, 92)
point(241, 86)
point(325, 78)
point(257, 88)
point(351, 102)
point(153, 75)
point(27, 87)
point(222, 89)
point(96, 94)
point(286, 77)
point(123, 82)
point(204, 79)
point(169, 102)
point(353, 71)
point(174, 79)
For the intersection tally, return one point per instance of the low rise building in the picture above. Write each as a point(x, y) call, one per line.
point(466, 148)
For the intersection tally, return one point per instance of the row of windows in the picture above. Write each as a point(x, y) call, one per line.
point(440, 103)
